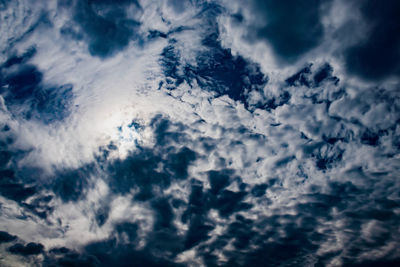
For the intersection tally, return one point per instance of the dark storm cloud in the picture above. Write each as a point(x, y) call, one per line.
point(377, 55)
point(25, 93)
point(106, 25)
point(292, 27)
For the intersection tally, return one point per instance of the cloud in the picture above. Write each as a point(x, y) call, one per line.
point(170, 140)
point(361, 41)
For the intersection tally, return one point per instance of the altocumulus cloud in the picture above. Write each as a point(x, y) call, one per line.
point(199, 133)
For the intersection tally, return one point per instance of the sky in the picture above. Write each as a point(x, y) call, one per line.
point(199, 133)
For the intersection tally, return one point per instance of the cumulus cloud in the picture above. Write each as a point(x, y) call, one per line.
point(199, 133)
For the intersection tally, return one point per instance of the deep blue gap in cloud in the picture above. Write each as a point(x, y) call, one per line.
point(292, 28)
point(377, 55)
point(71, 185)
point(325, 155)
point(106, 25)
point(225, 201)
point(6, 237)
point(26, 95)
point(13, 185)
point(224, 73)
point(216, 70)
point(19, 185)
point(26, 250)
point(304, 77)
point(20, 59)
point(170, 65)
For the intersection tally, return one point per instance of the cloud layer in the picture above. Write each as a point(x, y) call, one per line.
point(199, 133)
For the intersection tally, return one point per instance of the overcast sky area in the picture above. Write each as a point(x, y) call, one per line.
point(200, 133)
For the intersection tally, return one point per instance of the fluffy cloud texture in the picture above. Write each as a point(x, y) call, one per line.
point(199, 133)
